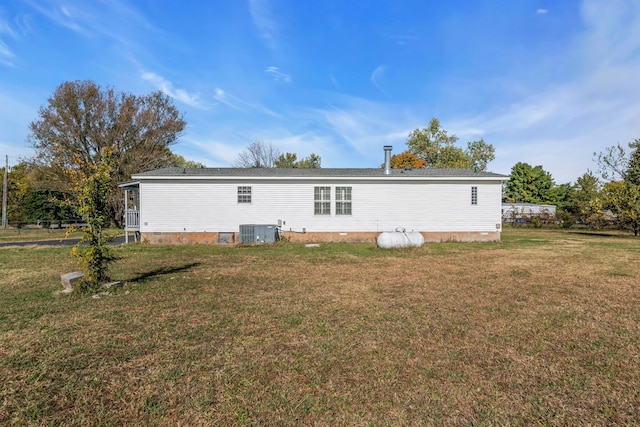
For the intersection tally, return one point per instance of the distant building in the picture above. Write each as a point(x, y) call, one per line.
point(524, 212)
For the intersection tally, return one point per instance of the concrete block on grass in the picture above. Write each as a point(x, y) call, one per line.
point(69, 281)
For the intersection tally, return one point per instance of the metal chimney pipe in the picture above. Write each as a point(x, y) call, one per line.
point(387, 159)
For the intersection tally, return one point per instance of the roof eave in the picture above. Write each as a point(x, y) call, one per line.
point(315, 178)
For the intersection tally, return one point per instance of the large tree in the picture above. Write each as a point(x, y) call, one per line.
point(623, 198)
point(81, 119)
point(529, 184)
point(437, 148)
point(290, 160)
point(29, 203)
point(258, 154)
point(480, 154)
point(587, 200)
point(407, 159)
point(176, 160)
point(623, 193)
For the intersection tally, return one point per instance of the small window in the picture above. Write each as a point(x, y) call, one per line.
point(322, 200)
point(244, 194)
point(343, 200)
point(474, 195)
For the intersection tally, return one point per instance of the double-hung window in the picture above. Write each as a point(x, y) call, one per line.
point(474, 195)
point(322, 200)
point(244, 194)
point(343, 200)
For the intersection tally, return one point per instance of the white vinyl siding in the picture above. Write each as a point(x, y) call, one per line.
point(382, 205)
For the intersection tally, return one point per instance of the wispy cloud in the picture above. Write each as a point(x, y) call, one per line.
point(277, 75)
point(216, 152)
point(114, 19)
point(262, 17)
point(365, 126)
point(402, 39)
point(376, 76)
point(223, 97)
point(192, 99)
point(219, 153)
point(17, 110)
point(334, 81)
point(6, 54)
point(542, 11)
point(5, 28)
point(561, 125)
point(65, 15)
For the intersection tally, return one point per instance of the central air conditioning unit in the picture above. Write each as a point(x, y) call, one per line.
point(258, 233)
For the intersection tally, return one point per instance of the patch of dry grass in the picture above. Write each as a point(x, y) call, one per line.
point(542, 328)
point(31, 234)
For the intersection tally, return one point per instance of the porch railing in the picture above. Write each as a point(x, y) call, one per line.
point(131, 223)
point(132, 220)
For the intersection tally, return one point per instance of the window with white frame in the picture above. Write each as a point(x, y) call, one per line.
point(343, 200)
point(244, 194)
point(474, 195)
point(322, 200)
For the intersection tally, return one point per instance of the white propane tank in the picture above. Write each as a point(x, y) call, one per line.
point(400, 238)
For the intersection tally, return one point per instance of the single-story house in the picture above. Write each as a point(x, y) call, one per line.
point(229, 205)
point(513, 212)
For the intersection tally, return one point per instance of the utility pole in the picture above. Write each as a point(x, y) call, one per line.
point(4, 194)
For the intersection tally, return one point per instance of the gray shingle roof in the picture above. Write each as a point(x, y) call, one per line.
point(319, 172)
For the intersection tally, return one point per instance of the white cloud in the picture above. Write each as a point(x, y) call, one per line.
point(261, 15)
point(64, 15)
point(17, 110)
point(167, 87)
point(334, 81)
point(562, 125)
point(542, 11)
point(5, 28)
point(377, 75)
point(365, 126)
point(212, 152)
point(558, 126)
point(6, 54)
point(221, 96)
point(277, 74)
point(223, 154)
point(402, 39)
point(114, 19)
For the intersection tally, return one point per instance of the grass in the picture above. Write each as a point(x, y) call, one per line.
point(542, 328)
point(34, 234)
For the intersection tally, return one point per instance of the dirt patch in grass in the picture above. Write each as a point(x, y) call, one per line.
point(542, 329)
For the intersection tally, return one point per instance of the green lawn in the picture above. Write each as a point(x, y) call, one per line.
point(540, 329)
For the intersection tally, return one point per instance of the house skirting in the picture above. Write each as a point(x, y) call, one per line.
point(214, 238)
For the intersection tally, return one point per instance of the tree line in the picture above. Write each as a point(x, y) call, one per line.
point(608, 197)
point(82, 120)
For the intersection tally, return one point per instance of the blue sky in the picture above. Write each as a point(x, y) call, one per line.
point(547, 82)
